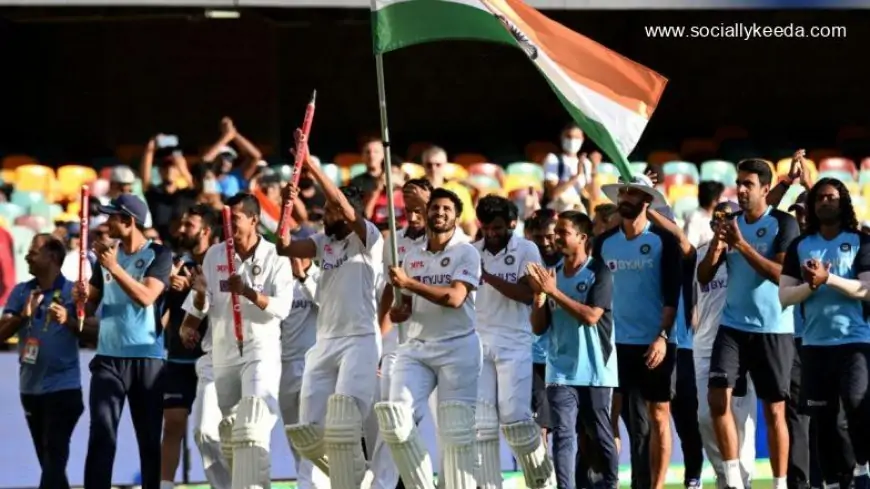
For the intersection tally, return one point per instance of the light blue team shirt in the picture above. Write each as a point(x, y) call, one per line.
point(647, 277)
point(751, 301)
point(583, 354)
point(128, 330)
point(48, 351)
point(831, 318)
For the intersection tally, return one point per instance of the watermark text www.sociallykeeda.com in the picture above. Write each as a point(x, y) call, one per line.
point(747, 31)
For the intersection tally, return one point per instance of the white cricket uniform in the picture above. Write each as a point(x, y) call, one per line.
point(709, 302)
point(506, 333)
point(298, 331)
point(258, 372)
point(206, 417)
point(442, 348)
point(344, 359)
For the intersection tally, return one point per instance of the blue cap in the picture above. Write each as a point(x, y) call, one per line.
point(127, 205)
point(74, 229)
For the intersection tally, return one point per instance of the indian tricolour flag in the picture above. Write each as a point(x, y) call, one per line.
point(611, 97)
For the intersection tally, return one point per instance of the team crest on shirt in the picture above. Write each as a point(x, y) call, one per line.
point(645, 249)
point(108, 277)
point(761, 232)
point(256, 270)
point(509, 260)
point(445, 261)
point(581, 287)
point(845, 247)
point(611, 264)
point(140, 263)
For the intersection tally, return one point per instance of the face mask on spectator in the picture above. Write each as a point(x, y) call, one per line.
point(571, 145)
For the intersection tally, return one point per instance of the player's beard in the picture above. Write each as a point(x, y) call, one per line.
point(629, 211)
point(497, 243)
point(189, 242)
point(828, 215)
point(440, 228)
point(337, 229)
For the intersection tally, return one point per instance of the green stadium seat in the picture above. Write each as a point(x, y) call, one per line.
point(526, 168)
point(26, 199)
point(683, 206)
point(332, 171)
point(357, 169)
point(719, 171)
point(21, 238)
point(681, 168)
point(284, 172)
point(483, 182)
point(843, 176)
point(864, 177)
point(11, 211)
point(45, 210)
point(638, 167)
point(605, 168)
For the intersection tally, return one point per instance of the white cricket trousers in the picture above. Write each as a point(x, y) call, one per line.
point(205, 417)
point(384, 472)
point(506, 381)
point(254, 378)
point(307, 475)
point(745, 413)
point(347, 366)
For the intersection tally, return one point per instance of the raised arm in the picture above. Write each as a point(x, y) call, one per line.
point(663, 222)
point(334, 195)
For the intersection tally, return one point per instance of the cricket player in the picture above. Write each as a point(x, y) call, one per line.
point(646, 263)
point(504, 395)
point(247, 381)
point(384, 472)
point(195, 237)
point(709, 301)
point(438, 282)
point(827, 272)
point(757, 333)
point(573, 302)
point(129, 285)
point(340, 377)
point(297, 336)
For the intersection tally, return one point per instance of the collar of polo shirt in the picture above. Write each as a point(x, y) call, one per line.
point(509, 248)
point(456, 239)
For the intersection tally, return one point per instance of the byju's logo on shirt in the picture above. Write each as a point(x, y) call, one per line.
point(442, 279)
point(714, 285)
point(630, 265)
point(331, 266)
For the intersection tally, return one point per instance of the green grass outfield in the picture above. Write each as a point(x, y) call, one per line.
point(514, 480)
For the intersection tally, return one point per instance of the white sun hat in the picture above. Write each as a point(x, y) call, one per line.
point(639, 182)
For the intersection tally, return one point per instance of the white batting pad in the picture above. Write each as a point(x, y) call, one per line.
point(252, 466)
point(487, 449)
point(225, 431)
point(307, 439)
point(456, 428)
point(343, 441)
point(213, 460)
point(524, 438)
point(400, 433)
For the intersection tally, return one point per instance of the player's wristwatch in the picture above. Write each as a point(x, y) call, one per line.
point(663, 335)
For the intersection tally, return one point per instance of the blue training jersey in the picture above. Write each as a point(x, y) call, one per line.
point(583, 354)
point(647, 277)
point(48, 351)
point(752, 301)
point(128, 330)
point(831, 318)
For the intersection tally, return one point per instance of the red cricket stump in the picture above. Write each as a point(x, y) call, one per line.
point(84, 217)
point(301, 150)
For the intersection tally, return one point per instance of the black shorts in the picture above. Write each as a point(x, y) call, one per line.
point(832, 374)
point(766, 357)
point(540, 404)
point(179, 385)
point(656, 385)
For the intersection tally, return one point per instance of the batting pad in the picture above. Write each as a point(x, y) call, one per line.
point(524, 438)
point(307, 439)
point(342, 439)
point(213, 459)
point(399, 432)
point(225, 431)
point(252, 433)
point(456, 429)
point(487, 449)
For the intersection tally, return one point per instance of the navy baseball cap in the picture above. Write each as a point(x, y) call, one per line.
point(127, 205)
point(800, 203)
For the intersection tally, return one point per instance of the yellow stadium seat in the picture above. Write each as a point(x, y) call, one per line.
point(853, 188)
point(71, 178)
point(3, 222)
point(413, 170)
point(35, 178)
point(605, 179)
point(7, 176)
point(12, 162)
point(346, 160)
point(74, 207)
point(678, 191)
point(452, 171)
point(464, 195)
point(516, 182)
point(467, 159)
point(66, 217)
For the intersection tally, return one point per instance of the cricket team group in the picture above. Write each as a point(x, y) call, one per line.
point(557, 334)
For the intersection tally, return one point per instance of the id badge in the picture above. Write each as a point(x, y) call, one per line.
point(31, 351)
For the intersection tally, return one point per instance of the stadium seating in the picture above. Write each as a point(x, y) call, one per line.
point(484, 183)
point(452, 171)
point(12, 162)
point(638, 167)
point(719, 171)
point(526, 168)
point(333, 172)
point(413, 170)
point(682, 168)
point(357, 169)
point(21, 238)
point(838, 164)
point(35, 178)
point(488, 169)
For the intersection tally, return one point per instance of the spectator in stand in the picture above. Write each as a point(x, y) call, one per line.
point(435, 162)
point(121, 182)
point(206, 186)
point(372, 152)
point(376, 202)
point(174, 193)
point(565, 178)
point(233, 175)
point(698, 228)
point(7, 266)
